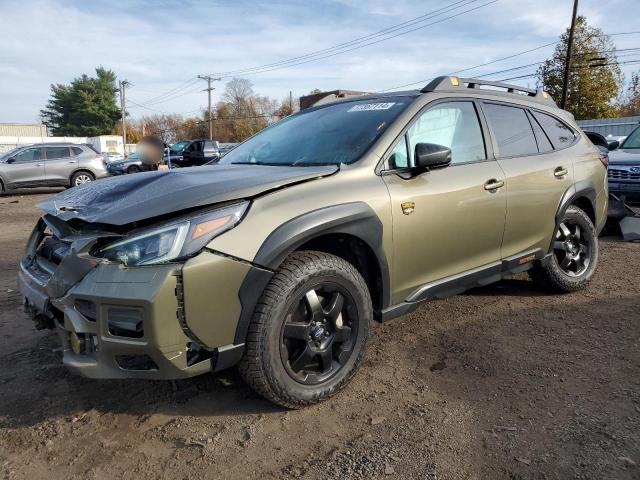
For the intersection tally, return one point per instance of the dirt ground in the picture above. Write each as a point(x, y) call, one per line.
point(502, 382)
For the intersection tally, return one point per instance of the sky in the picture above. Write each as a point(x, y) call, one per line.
point(160, 46)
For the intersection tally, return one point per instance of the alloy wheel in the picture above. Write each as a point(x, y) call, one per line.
point(572, 249)
point(83, 178)
point(318, 334)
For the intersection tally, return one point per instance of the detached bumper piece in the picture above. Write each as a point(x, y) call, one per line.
point(627, 216)
point(117, 322)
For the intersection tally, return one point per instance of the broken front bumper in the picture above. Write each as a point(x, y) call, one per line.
point(141, 322)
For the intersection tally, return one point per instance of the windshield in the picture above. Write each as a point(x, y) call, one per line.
point(633, 140)
point(338, 133)
point(10, 152)
point(178, 146)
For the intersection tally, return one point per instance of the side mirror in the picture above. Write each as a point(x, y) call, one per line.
point(11, 160)
point(431, 155)
point(613, 144)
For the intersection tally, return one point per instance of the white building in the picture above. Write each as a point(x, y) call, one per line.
point(103, 143)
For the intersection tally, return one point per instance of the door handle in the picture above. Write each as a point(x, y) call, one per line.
point(560, 172)
point(493, 184)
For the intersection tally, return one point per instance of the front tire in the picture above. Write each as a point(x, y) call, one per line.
point(80, 178)
point(574, 255)
point(309, 330)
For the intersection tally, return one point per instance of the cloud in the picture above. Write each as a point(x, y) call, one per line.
point(160, 45)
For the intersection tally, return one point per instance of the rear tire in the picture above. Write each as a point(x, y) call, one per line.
point(80, 178)
point(133, 169)
point(574, 254)
point(309, 330)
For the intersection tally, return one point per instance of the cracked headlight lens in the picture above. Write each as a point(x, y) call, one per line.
point(175, 240)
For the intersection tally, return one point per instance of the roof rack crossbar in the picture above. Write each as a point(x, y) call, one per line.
point(449, 83)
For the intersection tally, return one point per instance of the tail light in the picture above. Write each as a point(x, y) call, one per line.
point(604, 158)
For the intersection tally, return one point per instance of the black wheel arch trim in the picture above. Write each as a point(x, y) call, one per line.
point(580, 189)
point(355, 218)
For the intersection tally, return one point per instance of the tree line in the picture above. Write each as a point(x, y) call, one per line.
point(88, 107)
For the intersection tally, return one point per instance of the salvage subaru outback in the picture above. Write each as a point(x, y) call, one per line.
point(278, 258)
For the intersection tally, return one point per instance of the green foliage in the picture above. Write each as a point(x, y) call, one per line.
point(595, 78)
point(86, 107)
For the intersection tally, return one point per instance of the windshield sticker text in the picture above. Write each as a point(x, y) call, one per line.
point(365, 107)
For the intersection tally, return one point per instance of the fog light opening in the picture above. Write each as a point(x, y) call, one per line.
point(196, 353)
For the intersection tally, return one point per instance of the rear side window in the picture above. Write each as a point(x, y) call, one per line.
point(512, 130)
point(544, 145)
point(560, 135)
point(53, 153)
point(76, 151)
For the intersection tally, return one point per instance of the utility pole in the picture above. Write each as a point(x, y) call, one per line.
point(567, 65)
point(123, 108)
point(209, 88)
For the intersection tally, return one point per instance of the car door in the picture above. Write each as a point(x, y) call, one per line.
point(190, 154)
point(537, 176)
point(59, 164)
point(210, 152)
point(447, 222)
point(25, 168)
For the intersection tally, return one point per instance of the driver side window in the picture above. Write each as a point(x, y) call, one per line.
point(28, 155)
point(454, 125)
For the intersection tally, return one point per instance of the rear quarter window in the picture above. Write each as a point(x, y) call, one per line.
point(561, 135)
point(76, 151)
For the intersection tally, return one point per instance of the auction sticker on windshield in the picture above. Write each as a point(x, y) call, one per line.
point(364, 107)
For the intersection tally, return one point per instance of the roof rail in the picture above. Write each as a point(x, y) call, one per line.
point(450, 83)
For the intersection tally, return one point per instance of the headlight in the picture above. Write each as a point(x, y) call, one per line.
point(173, 240)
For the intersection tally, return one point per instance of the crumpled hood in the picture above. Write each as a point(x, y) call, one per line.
point(625, 157)
point(131, 198)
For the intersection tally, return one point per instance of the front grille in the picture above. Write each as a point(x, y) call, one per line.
point(616, 174)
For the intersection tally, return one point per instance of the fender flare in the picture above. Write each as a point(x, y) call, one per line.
point(582, 188)
point(356, 219)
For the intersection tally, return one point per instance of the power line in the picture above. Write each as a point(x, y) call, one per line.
point(508, 57)
point(340, 46)
point(367, 44)
point(475, 66)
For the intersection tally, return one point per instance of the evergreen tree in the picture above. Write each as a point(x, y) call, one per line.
point(85, 107)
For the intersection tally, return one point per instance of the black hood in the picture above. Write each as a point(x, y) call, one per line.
point(131, 198)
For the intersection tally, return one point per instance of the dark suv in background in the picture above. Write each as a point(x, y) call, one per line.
point(50, 165)
point(198, 152)
point(624, 169)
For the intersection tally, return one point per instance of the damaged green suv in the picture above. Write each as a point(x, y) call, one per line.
point(278, 258)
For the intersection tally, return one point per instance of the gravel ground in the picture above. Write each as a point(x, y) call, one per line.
point(502, 382)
